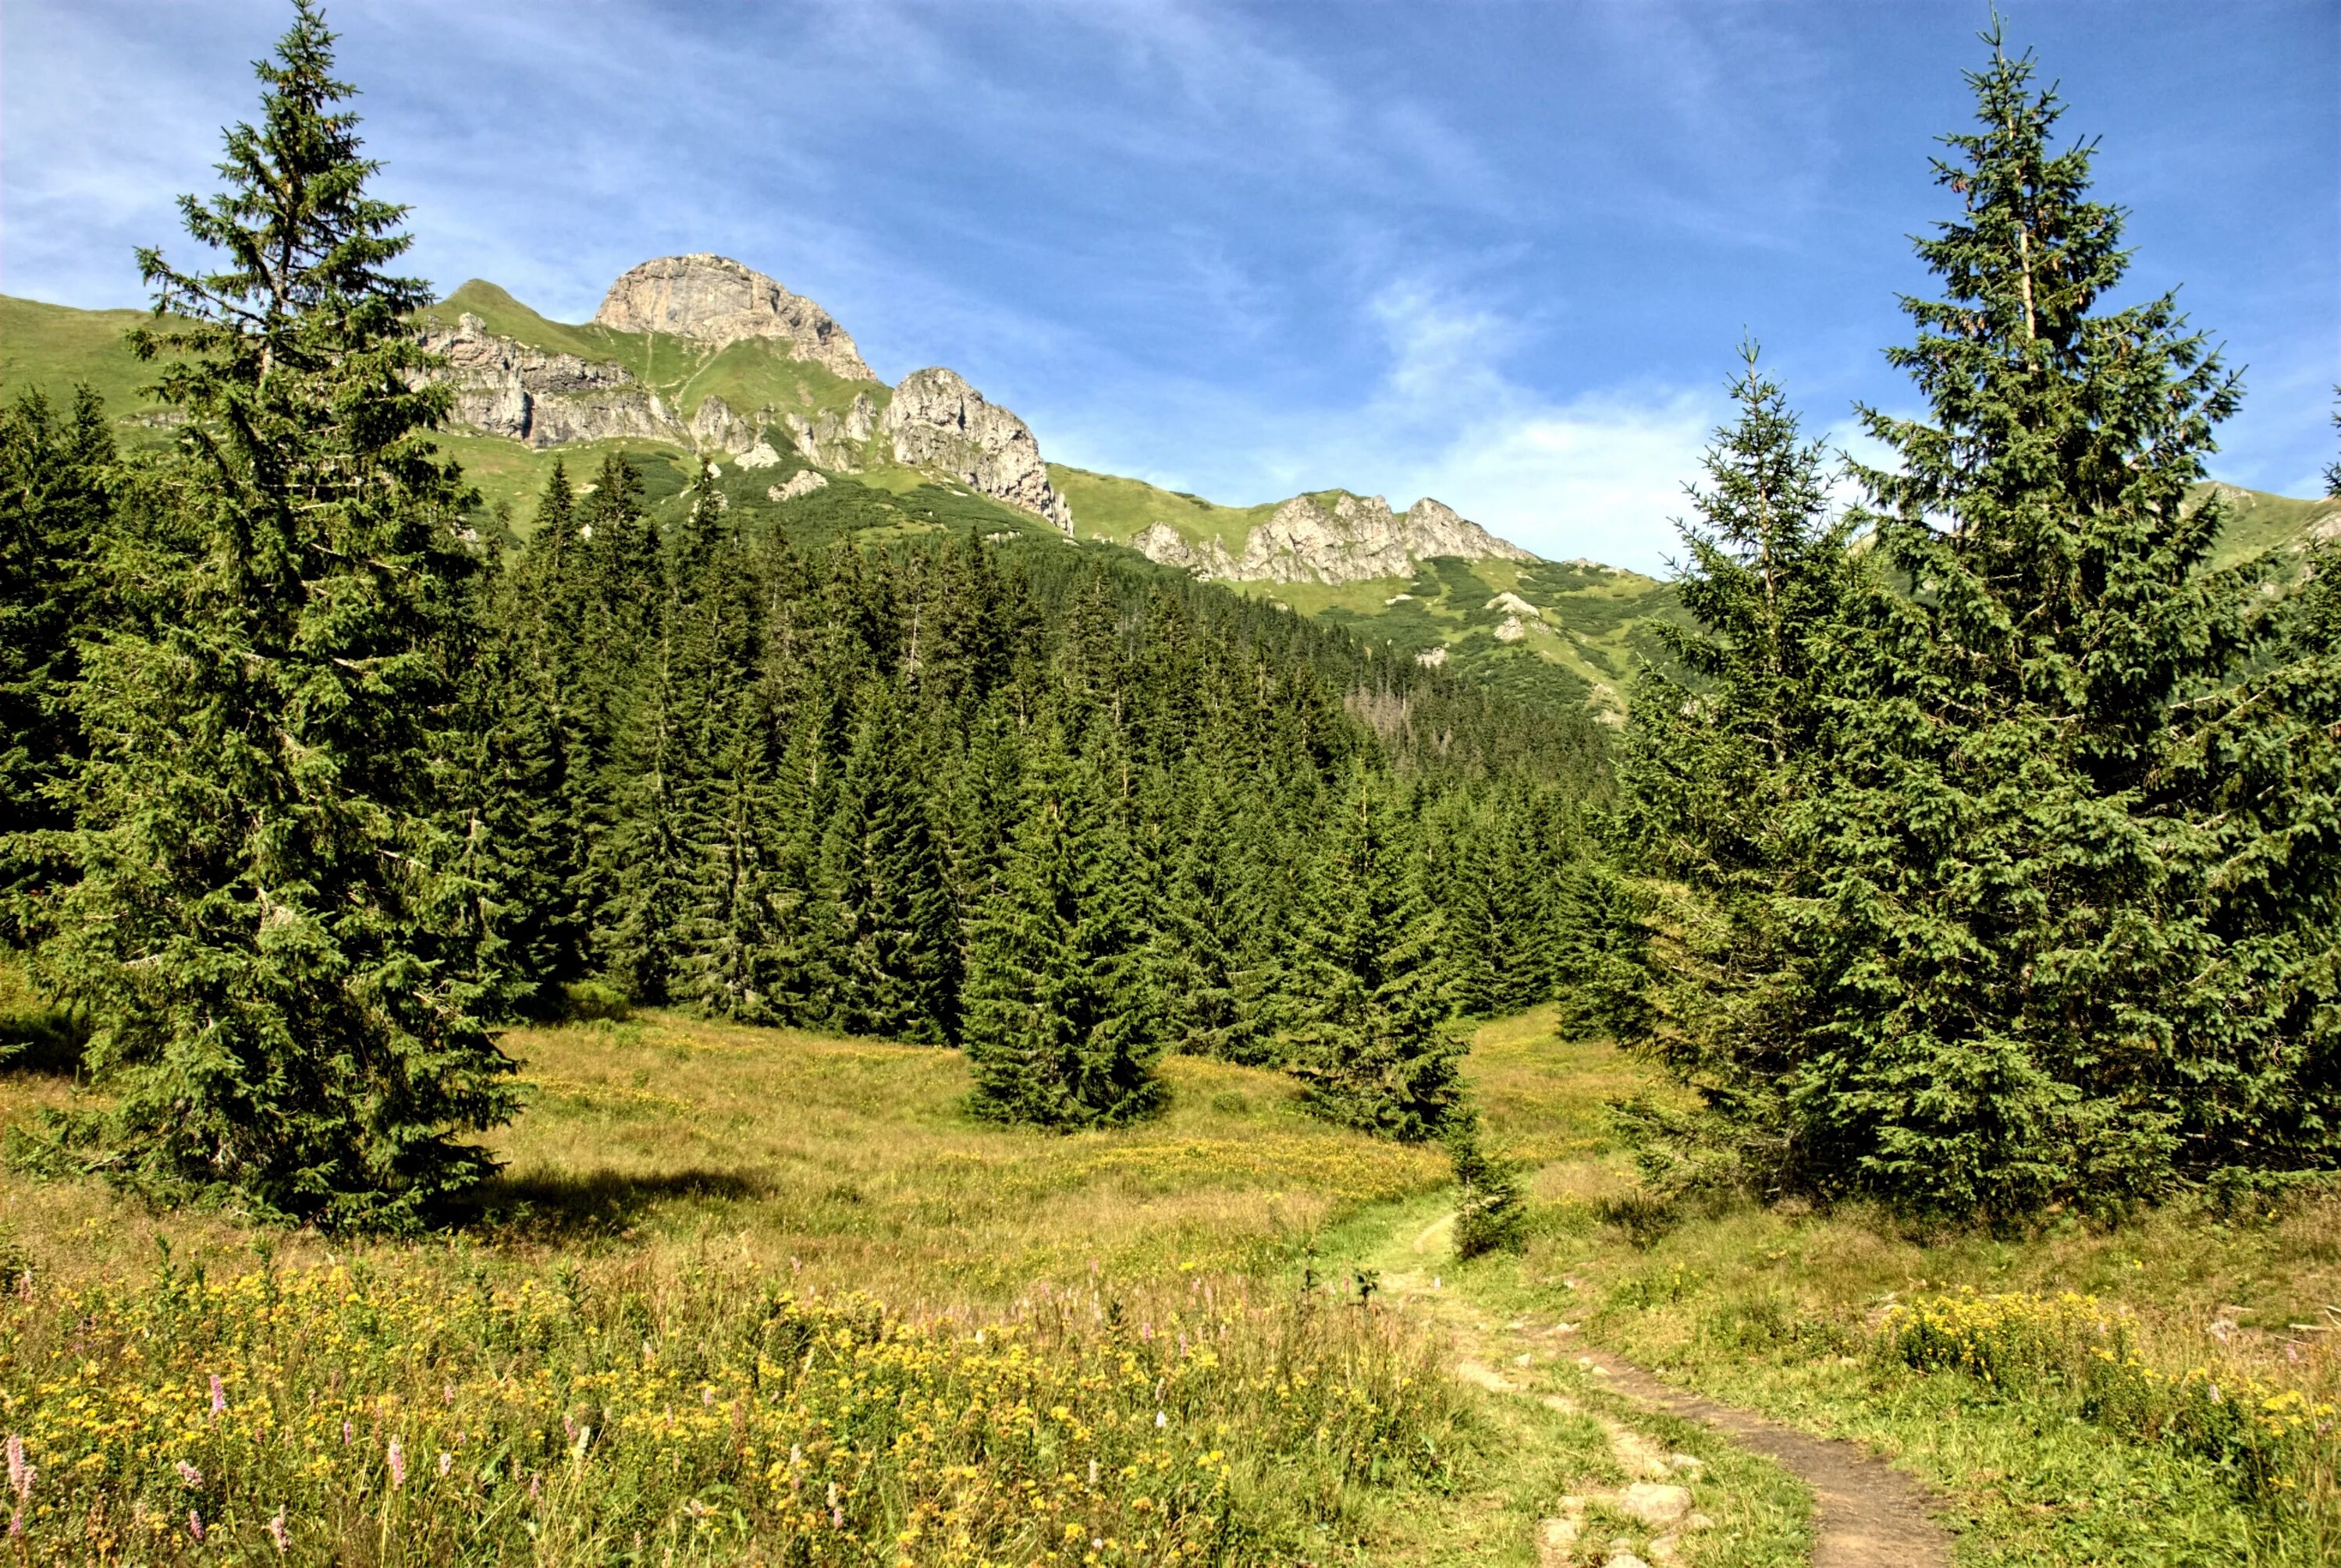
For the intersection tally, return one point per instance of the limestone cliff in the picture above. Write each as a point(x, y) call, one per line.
point(939, 422)
point(834, 440)
point(1356, 540)
point(717, 301)
point(509, 389)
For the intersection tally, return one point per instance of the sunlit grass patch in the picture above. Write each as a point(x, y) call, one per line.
point(438, 1404)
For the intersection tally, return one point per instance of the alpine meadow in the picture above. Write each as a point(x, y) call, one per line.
point(624, 944)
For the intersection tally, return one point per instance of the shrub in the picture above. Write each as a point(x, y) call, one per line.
point(1491, 1210)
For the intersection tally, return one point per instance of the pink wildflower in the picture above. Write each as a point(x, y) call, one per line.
point(194, 1524)
point(397, 1464)
point(20, 1473)
point(535, 1485)
point(219, 1395)
point(277, 1532)
point(446, 1462)
point(836, 1509)
point(188, 1474)
point(345, 1432)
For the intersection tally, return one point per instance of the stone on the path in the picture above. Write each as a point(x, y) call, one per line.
point(1556, 1541)
point(1684, 1461)
point(1654, 1503)
point(1486, 1376)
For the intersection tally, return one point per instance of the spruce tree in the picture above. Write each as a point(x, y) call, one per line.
point(265, 925)
point(887, 878)
point(1373, 1044)
point(1213, 962)
point(56, 499)
point(1062, 1028)
point(2027, 934)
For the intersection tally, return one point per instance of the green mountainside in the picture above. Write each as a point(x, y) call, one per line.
point(1570, 631)
point(1586, 625)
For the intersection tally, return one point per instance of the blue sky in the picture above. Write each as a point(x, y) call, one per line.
point(1497, 254)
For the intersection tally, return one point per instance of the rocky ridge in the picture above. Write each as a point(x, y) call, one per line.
point(933, 421)
point(1358, 539)
point(509, 389)
point(937, 421)
point(719, 302)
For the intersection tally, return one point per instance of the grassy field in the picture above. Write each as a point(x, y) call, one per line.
point(2160, 1393)
point(728, 1270)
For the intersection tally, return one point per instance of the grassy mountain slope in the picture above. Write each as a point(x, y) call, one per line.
point(1585, 632)
point(748, 375)
point(53, 348)
point(1588, 628)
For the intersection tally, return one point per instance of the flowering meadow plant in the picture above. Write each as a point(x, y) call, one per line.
point(2271, 1442)
point(424, 1413)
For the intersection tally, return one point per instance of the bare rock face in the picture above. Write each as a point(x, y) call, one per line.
point(1162, 542)
point(508, 389)
point(834, 440)
point(937, 421)
point(1356, 540)
point(804, 482)
point(717, 301)
point(716, 428)
point(1433, 528)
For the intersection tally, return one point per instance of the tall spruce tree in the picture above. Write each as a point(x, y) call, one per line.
point(2024, 939)
point(1062, 1027)
point(1373, 1044)
point(1720, 751)
point(265, 924)
point(887, 878)
point(55, 498)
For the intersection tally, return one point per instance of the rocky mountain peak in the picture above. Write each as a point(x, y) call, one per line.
point(718, 300)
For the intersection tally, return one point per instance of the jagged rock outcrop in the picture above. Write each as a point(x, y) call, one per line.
point(938, 420)
point(1357, 541)
point(804, 482)
point(833, 439)
point(506, 388)
point(1162, 542)
point(716, 428)
point(718, 300)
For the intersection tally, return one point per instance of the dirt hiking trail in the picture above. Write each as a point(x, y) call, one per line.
point(1867, 1514)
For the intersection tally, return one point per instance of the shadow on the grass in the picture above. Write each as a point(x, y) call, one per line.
point(563, 1205)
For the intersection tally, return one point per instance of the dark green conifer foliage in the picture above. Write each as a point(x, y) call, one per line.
point(543, 753)
point(1062, 1028)
point(55, 479)
point(887, 878)
point(266, 925)
point(2016, 937)
point(1373, 1044)
point(1491, 1201)
point(648, 867)
point(731, 806)
point(1214, 937)
point(1709, 760)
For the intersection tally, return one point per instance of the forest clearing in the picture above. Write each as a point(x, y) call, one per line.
point(685, 1197)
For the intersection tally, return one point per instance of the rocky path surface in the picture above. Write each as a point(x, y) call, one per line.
point(1867, 1514)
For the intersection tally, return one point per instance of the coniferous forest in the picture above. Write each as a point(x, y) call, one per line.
point(1971, 848)
point(635, 1025)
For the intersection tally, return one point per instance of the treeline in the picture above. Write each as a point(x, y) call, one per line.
point(308, 786)
point(1984, 853)
point(915, 791)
